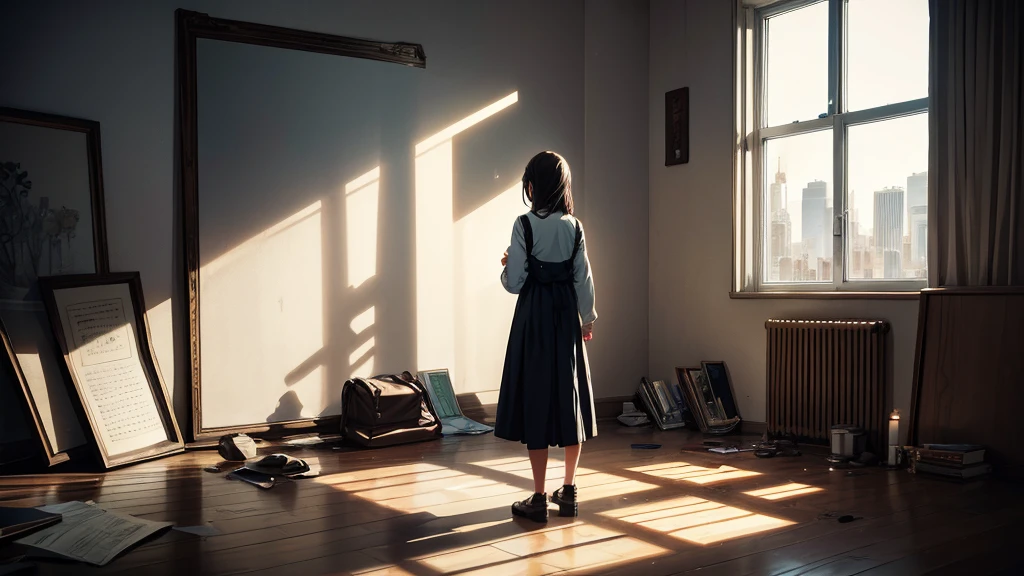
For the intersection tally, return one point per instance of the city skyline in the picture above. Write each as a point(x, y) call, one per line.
point(892, 243)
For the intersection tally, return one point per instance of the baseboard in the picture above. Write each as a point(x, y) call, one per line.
point(605, 408)
point(474, 410)
point(610, 408)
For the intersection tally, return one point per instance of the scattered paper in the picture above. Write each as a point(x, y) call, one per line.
point(202, 530)
point(305, 440)
point(91, 534)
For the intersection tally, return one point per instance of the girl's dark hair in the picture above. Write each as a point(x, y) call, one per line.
point(552, 183)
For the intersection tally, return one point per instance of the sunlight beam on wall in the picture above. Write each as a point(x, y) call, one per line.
point(467, 122)
point(362, 198)
point(436, 245)
point(485, 309)
point(435, 282)
point(363, 320)
point(269, 288)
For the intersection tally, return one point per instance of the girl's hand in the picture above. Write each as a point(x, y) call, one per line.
point(504, 259)
point(588, 331)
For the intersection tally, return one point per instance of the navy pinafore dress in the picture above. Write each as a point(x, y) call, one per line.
point(546, 398)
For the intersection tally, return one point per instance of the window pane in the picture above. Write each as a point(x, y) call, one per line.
point(887, 52)
point(796, 83)
point(798, 208)
point(888, 199)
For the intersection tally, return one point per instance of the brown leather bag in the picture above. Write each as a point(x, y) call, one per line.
point(387, 410)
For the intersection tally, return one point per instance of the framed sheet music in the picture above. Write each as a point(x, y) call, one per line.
point(100, 324)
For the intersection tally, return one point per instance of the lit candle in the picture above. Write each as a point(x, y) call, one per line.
point(894, 436)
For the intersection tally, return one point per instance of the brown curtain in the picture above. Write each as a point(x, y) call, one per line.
point(976, 154)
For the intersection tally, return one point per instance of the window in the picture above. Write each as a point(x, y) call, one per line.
point(832, 167)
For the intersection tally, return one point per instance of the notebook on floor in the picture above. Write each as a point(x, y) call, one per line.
point(23, 521)
point(442, 396)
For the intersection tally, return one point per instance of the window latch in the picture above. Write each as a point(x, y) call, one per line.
point(839, 223)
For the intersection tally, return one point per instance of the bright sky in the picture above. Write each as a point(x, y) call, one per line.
point(887, 62)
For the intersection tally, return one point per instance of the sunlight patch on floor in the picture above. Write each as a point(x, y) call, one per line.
point(386, 571)
point(593, 485)
point(783, 491)
point(692, 473)
point(545, 551)
point(425, 488)
point(696, 519)
point(463, 530)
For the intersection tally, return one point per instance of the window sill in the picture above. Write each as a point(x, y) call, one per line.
point(823, 295)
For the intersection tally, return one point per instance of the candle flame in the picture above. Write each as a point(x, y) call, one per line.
point(895, 415)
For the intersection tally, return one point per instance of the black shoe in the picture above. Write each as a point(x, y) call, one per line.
point(535, 508)
point(565, 498)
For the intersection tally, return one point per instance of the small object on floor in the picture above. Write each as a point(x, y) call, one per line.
point(846, 519)
point(631, 416)
point(724, 450)
point(645, 446)
point(533, 508)
point(201, 530)
point(565, 499)
point(213, 469)
point(258, 479)
point(772, 448)
point(236, 447)
point(280, 464)
point(847, 442)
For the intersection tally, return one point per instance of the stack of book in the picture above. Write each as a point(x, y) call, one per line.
point(961, 461)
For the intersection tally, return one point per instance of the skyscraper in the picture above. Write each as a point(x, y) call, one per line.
point(917, 207)
point(815, 227)
point(777, 194)
point(781, 227)
point(888, 231)
point(917, 189)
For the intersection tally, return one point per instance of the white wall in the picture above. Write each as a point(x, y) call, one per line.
point(113, 62)
point(616, 209)
point(692, 317)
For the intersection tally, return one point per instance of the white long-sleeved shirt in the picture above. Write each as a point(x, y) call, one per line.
point(554, 238)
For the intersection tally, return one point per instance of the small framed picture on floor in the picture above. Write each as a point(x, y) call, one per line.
point(100, 324)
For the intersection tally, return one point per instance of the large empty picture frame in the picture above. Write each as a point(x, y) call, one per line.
point(101, 326)
point(51, 223)
point(241, 281)
point(967, 372)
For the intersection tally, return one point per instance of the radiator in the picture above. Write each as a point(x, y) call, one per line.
point(822, 373)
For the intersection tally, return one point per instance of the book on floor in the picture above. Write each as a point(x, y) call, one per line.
point(964, 473)
point(951, 454)
point(23, 521)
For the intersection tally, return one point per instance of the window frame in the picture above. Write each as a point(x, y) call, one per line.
point(750, 227)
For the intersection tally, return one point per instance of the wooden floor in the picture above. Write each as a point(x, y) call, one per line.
point(443, 507)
